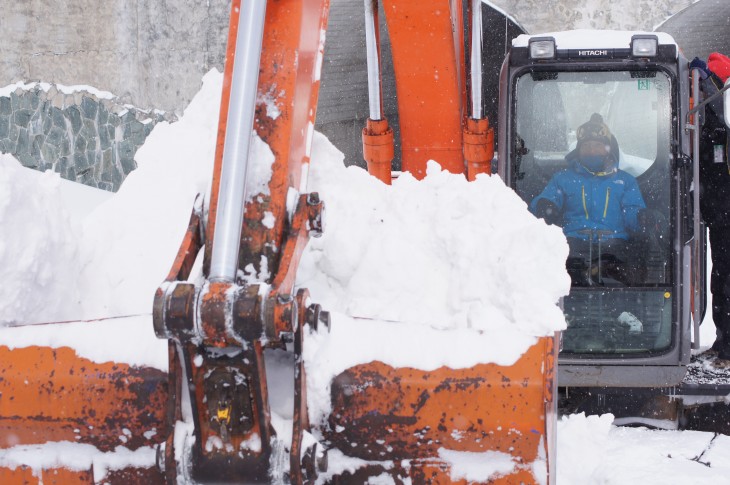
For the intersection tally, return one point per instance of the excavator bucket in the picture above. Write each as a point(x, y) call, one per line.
point(411, 416)
point(55, 405)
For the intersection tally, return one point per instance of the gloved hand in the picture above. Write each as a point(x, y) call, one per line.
point(546, 209)
point(698, 63)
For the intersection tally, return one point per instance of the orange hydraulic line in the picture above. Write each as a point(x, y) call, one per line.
point(427, 74)
point(378, 148)
point(478, 147)
point(378, 143)
point(478, 136)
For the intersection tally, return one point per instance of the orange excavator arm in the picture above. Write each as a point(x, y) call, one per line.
point(275, 53)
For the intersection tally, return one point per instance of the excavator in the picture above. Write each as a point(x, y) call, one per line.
point(211, 409)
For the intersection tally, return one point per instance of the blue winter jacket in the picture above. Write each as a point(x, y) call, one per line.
point(608, 202)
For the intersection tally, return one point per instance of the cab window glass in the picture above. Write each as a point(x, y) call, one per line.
point(591, 153)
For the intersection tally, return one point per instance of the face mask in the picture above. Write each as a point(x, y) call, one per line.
point(594, 163)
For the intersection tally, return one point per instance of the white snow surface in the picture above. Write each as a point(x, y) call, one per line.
point(131, 240)
point(76, 457)
point(478, 467)
point(441, 252)
point(593, 451)
point(125, 339)
point(420, 266)
point(39, 253)
point(47, 219)
point(11, 88)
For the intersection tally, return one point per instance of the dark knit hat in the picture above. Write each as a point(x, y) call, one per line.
point(594, 130)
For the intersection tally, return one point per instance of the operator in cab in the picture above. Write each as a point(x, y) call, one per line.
point(597, 204)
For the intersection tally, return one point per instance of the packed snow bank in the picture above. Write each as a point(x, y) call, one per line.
point(477, 467)
point(423, 274)
point(591, 450)
point(441, 252)
point(39, 258)
point(133, 238)
point(129, 339)
point(76, 457)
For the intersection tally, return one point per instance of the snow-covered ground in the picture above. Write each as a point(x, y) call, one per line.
point(73, 253)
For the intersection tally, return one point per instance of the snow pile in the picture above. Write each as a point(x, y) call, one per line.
point(441, 252)
point(110, 263)
point(477, 467)
point(133, 238)
point(77, 457)
point(462, 239)
point(422, 266)
point(591, 450)
point(39, 258)
point(134, 341)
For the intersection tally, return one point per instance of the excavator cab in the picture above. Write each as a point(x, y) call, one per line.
point(630, 305)
point(622, 295)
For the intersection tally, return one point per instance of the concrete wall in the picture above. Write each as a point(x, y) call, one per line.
point(153, 53)
point(150, 53)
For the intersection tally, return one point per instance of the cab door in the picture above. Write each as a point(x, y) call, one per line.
point(627, 307)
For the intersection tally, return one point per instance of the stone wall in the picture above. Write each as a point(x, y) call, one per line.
point(82, 137)
point(150, 53)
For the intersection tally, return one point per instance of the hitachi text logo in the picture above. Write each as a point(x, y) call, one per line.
point(593, 53)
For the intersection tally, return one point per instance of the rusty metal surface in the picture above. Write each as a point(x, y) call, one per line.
point(57, 476)
point(378, 148)
point(217, 358)
point(189, 247)
point(308, 219)
point(64, 476)
point(51, 394)
point(300, 418)
point(478, 147)
point(439, 473)
point(390, 414)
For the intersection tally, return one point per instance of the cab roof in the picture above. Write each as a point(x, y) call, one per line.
point(592, 39)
